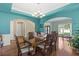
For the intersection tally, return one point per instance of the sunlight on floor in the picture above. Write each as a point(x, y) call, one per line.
point(60, 43)
point(63, 47)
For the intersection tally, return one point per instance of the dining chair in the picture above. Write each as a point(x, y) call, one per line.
point(54, 37)
point(32, 39)
point(46, 45)
point(23, 46)
point(1, 41)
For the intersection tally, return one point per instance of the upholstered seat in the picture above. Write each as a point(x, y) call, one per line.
point(42, 46)
point(24, 50)
point(24, 45)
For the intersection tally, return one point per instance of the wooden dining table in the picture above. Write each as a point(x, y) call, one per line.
point(36, 41)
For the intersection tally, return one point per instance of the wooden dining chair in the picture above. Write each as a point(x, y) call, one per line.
point(1, 45)
point(46, 45)
point(1, 41)
point(54, 37)
point(52, 42)
point(23, 46)
point(32, 39)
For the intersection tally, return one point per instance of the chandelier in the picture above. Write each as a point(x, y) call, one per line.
point(38, 14)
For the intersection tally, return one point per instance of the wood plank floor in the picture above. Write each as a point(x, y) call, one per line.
point(10, 50)
point(63, 49)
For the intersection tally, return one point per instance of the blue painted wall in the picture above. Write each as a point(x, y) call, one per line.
point(5, 19)
point(6, 15)
point(71, 11)
point(5, 7)
point(4, 23)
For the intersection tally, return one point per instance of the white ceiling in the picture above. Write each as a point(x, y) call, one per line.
point(31, 8)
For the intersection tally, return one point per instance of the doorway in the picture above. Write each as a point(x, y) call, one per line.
point(62, 25)
point(65, 29)
point(21, 27)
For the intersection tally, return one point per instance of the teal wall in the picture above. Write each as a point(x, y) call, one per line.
point(4, 23)
point(6, 15)
point(5, 19)
point(5, 7)
point(70, 11)
point(74, 16)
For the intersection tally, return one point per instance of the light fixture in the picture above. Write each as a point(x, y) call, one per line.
point(38, 14)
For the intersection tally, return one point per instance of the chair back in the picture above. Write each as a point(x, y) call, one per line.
point(1, 41)
point(18, 46)
point(54, 36)
point(30, 35)
point(0, 37)
point(48, 45)
point(38, 33)
point(48, 39)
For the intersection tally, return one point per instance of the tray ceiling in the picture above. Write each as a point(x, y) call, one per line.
point(32, 8)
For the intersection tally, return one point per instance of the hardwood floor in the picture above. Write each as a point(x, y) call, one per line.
point(10, 50)
point(63, 49)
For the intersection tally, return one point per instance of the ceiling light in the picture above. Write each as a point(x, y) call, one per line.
point(38, 14)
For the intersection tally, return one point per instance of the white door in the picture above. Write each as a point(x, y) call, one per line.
point(20, 28)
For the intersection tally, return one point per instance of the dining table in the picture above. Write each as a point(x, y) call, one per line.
point(36, 41)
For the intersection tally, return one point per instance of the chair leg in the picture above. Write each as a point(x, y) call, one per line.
point(19, 53)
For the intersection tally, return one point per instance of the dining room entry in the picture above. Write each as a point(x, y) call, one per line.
point(21, 27)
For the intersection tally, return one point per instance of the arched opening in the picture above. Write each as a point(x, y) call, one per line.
point(62, 25)
point(20, 27)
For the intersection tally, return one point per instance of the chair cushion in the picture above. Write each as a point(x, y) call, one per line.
point(53, 43)
point(23, 45)
point(41, 46)
point(26, 50)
